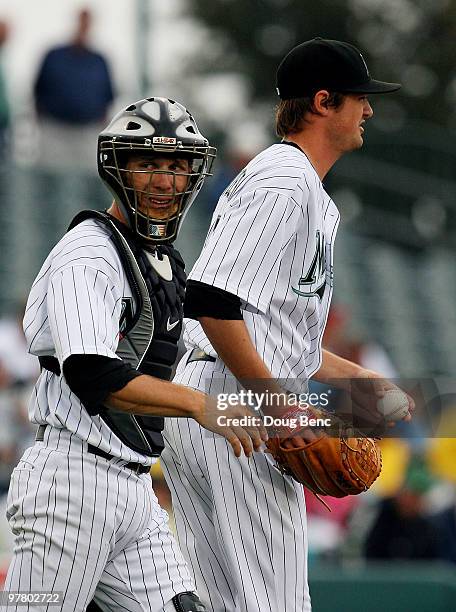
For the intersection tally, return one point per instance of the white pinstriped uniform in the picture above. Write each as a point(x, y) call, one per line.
point(85, 525)
point(241, 523)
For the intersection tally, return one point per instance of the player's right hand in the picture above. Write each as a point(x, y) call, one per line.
point(365, 392)
point(243, 438)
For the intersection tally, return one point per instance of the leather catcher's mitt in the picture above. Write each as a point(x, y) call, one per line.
point(336, 466)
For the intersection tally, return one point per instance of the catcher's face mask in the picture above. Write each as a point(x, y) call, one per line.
point(157, 188)
point(154, 159)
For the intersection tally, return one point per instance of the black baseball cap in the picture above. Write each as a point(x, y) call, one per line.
point(326, 64)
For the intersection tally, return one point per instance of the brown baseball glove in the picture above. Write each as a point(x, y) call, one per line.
point(336, 466)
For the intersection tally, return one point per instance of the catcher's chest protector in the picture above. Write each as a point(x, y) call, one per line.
point(149, 336)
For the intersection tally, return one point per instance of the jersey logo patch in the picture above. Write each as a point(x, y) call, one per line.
point(126, 315)
point(314, 281)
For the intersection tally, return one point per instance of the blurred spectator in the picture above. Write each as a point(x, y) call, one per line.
point(327, 529)
point(441, 453)
point(396, 454)
point(445, 527)
point(4, 104)
point(441, 456)
point(73, 91)
point(339, 339)
point(402, 530)
point(226, 171)
point(244, 141)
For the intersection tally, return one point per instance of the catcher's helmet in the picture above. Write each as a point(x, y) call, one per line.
point(155, 127)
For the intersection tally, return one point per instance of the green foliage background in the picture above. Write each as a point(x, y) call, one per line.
point(410, 41)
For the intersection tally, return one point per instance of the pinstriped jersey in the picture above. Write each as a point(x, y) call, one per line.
point(271, 243)
point(77, 305)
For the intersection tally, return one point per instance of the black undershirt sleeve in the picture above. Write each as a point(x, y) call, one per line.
point(93, 377)
point(202, 300)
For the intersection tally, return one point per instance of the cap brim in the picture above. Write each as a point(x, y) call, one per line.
point(374, 87)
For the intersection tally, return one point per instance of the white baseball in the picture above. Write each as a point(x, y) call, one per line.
point(394, 405)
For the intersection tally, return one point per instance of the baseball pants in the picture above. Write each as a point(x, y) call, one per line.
point(241, 523)
point(89, 528)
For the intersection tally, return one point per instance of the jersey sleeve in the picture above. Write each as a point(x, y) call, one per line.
point(83, 312)
point(245, 244)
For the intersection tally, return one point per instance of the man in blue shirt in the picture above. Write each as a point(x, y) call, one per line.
point(73, 91)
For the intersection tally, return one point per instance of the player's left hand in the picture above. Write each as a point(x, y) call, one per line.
point(335, 466)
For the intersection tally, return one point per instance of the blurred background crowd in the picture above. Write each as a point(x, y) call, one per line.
point(66, 67)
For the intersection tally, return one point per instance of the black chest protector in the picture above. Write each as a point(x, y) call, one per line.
point(149, 333)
